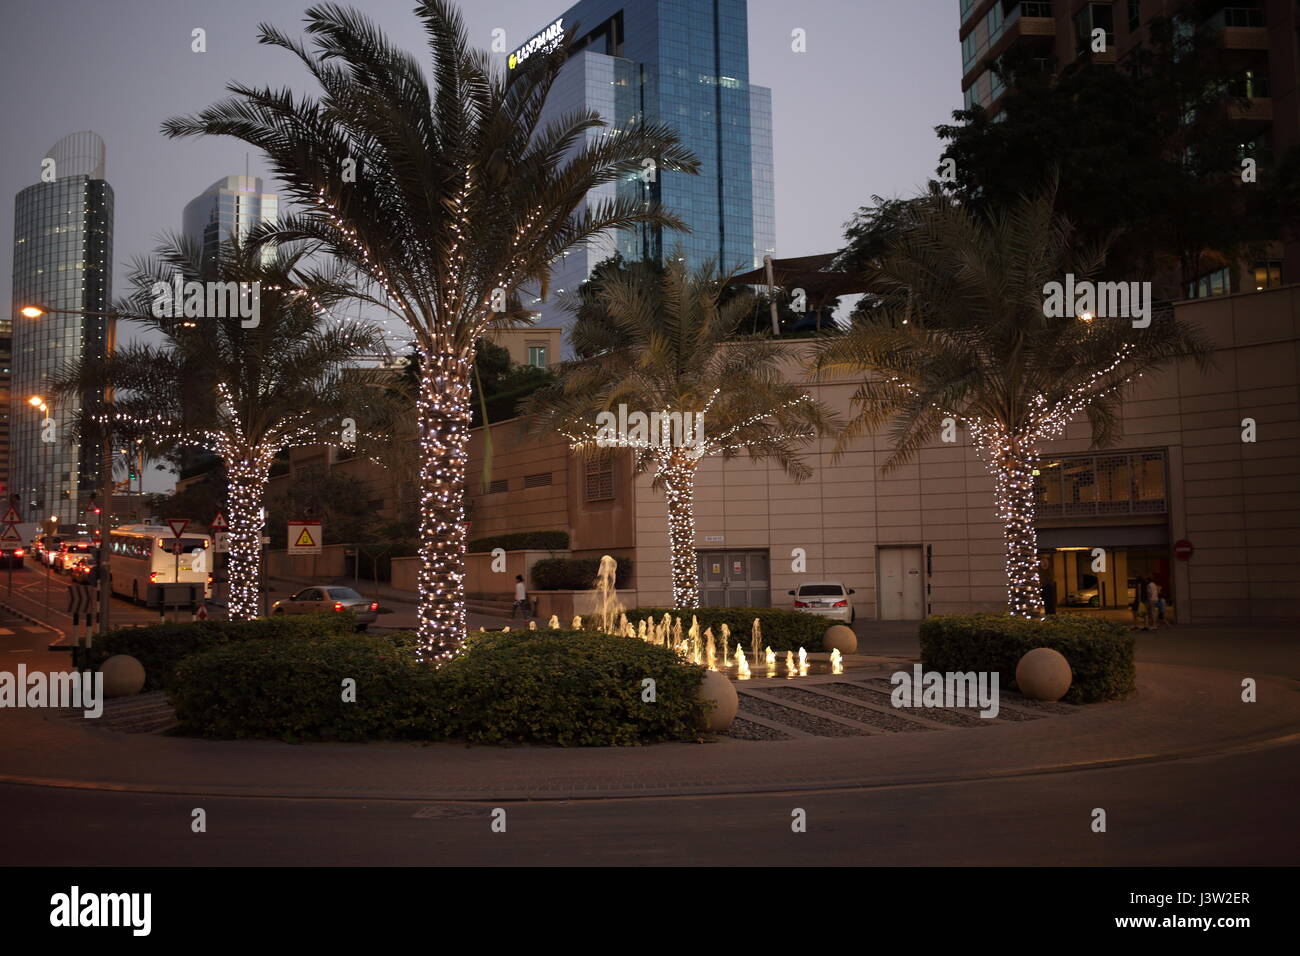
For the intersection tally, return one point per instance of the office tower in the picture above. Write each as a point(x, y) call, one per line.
point(684, 63)
point(63, 260)
point(231, 206)
point(1258, 40)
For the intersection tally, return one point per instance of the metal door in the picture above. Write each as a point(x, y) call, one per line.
point(734, 578)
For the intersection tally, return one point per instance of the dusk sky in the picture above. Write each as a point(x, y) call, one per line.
point(853, 116)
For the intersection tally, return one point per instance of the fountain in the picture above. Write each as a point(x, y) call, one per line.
point(726, 641)
point(770, 656)
point(756, 639)
point(554, 623)
point(532, 625)
point(710, 651)
point(742, 666)
point(577, 623)
point(789, 664)
point(607, 603)
point(837, 661)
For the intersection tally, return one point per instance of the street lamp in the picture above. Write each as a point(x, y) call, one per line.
point(106, 452)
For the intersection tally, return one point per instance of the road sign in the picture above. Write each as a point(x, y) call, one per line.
point(12, 516)
point(178, 526)
point(11, 534)
point(219, 522)
point(1183, 550)
point(220, 542)
point(304, 537)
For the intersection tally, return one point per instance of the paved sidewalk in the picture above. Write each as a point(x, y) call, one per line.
point(1178, 712)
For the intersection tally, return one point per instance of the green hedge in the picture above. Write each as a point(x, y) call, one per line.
point(571, 688)
point(1100, 652)
point(576, 574)
point(523, 541)
point(782, 630)
point(554, 687)
point(160, 647)
point(293, 689)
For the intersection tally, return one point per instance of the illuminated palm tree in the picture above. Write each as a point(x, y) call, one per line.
point(962, 337)
point(446, 197)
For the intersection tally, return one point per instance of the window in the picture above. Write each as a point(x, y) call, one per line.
point(600, 478)
point(1095, 16)
point(1134, 15)
point(1268, 274)
point(537, 356)
point(1218, 282)
point(1101, 485)
point(968, 50)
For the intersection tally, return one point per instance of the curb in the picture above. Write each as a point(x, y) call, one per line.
point(63, 635)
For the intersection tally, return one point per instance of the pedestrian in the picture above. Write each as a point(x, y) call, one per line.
point(1139, 594)
point(521, 598)
point(1153, 597)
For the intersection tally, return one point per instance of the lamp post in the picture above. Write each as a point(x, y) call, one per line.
point(106, 455)
point(39, 403)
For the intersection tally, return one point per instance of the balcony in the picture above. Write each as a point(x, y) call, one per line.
point(1240, 28)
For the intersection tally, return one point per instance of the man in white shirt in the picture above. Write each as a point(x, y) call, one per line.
point(521, 598)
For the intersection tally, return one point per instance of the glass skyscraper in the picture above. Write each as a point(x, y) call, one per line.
point(684, 63)
point(229, 207)
point(63, 259)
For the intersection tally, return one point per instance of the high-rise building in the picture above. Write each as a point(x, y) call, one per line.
point(684, 63)
point(231, 206)
point(1258, 40)
point(63, 260)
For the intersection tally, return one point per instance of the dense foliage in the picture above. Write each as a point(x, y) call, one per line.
point(576, 574)
point(523, 541)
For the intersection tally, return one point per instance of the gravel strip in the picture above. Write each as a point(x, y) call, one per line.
point(942, 715)
point(839, 708)
point(742, 729)
point(1039, 707)
point(795, 718)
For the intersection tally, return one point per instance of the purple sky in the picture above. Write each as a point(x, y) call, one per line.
point(854, 115)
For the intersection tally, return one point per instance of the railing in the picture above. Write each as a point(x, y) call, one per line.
point(1037, 8)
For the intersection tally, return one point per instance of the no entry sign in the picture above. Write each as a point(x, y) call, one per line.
point(1183, 550)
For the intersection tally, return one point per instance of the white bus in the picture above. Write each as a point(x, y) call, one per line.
point(143, 554)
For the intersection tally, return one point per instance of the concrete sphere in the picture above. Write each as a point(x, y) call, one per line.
point(1043, 674)
point(123, 676)
point(840, 637)
point(718, 689)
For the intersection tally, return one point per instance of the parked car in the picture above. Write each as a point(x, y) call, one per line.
point(327, 599)
point(825, 599)
point(71, 552)
point(12, 557)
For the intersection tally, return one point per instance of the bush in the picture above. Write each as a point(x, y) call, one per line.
point(160, 647)
point(571, 688)
point(576, 574)
point(523, 541)
point(293, 689)
point(556, 687)
point(1100, 652)
point(782, 630)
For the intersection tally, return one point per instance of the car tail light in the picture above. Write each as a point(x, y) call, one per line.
point(209, 579)
point(841, 604)
point(18, 553)
point(338, 606)
point(153, 576)
point(801, 604)
point(374, 606)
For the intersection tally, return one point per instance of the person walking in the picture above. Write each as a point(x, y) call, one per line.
point(1139, 598)
point(521, 598)
point(1153, 597)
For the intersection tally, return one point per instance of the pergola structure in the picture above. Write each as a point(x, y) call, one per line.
point(812, 274)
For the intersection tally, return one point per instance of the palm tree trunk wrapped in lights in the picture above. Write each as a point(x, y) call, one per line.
point(663, 344)
point(460, 197)
point(958, 336)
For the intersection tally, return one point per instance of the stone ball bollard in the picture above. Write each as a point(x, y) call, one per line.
point(123, 676)
point(722, 693)
point(840, 637)
point(1043, 674)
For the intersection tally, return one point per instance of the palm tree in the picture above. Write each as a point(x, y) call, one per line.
point(447, 198)
point(664, 344)
point(962, 337)
point(242, 388)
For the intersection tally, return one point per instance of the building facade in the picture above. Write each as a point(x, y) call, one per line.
point(63, 257)
point(684, 63)
point(1259, 44)
point(230, 207)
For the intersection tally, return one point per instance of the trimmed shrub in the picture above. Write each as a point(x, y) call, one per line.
point(576, 574)
point(1100, 653)
point(571, 688)
point(160, 647)
point(293, 689)
point(782, 630)
point(554, 687)
point(523, 541)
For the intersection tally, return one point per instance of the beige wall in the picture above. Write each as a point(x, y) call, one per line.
point(518, 341)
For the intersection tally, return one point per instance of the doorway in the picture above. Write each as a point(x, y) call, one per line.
point(901, 583)
point(734, 578)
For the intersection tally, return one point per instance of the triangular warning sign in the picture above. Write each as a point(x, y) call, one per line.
point(178, 525)
point(304, 540)
point(218, 522)
point(12, 516)
point(10, 534)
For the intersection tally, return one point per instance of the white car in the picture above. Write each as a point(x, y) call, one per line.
point(825, 599)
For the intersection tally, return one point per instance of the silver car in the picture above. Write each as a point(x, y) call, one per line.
point(829, 599)
point(328, 599)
